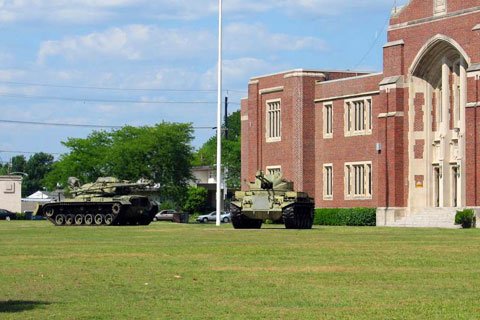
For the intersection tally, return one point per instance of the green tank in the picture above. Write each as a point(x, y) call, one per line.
point(271, 198)
point(108, 201)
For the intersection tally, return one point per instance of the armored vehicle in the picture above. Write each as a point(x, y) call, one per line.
point(271, 197)
point(108, 201)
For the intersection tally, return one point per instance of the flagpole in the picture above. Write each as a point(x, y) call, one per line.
point(219, 113)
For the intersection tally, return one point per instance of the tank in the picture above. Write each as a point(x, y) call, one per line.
point(271, 197)
point(108, 201)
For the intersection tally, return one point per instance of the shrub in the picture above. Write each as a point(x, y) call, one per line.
point(466, 218)
point(21, 216)
point(346, 217)
point(196, 200)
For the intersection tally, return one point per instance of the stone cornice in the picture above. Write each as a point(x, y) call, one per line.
point(271, 90)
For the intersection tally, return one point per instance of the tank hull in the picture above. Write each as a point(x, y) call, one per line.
point(135, 211)
point(271, 198)
point(294, 216)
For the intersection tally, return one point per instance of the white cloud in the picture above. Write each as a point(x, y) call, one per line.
point(88, 11)
point(143, 42)
point(133, 42)
point(242, 37)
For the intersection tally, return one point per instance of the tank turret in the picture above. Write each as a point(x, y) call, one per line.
point(107, 201)
point(271, 197)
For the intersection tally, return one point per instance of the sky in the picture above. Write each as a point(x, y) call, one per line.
point(141, 62)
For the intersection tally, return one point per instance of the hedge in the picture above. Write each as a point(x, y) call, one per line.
point(346, 217)
point(466, 218)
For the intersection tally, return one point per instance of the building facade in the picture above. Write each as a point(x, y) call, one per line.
point(405, 141)
point(11, 193)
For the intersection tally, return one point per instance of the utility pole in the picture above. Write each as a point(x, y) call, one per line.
point(226, 117)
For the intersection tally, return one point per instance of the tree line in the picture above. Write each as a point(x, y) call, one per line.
point(162, 153)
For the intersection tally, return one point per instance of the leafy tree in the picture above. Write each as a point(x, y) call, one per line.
point(234, 126)
point(196, 200)
point(162, 153)
point(37, 167)
point(231, 151)
point(16, 164)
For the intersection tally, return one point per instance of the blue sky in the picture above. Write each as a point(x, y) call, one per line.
point(64, 45)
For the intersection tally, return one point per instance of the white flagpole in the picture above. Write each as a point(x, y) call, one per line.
point(219, 113)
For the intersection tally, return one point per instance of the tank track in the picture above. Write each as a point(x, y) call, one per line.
point(89, 214)
point(240, 221)
point(298, 216)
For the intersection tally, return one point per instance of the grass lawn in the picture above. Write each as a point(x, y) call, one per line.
point(172, 271)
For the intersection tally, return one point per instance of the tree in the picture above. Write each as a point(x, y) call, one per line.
point(196, 200)
point(37, 167)
point(162, 153)
point(231, 152)
point(16, 164)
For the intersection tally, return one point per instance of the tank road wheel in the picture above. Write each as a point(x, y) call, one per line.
point(98, 219)
point(298, 216)
point(88, 219)
point(59, 219)
point(116, 207)
point(69, 219)
point(240, 221)
point(49, 212)
point(108, 219)
point(78, 219)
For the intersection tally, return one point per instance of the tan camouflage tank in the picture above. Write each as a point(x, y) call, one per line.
point(271, 198)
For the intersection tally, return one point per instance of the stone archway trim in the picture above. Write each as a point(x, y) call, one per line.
point(430, 44)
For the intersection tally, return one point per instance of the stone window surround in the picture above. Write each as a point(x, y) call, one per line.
point(273, 169)
point(328, 181)
point(327, 117)
point(368, 117)
point(352, 181)
point(278, 121)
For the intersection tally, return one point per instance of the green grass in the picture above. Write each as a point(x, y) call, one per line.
point(172, 271)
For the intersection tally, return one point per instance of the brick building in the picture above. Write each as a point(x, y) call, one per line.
point(405, 141)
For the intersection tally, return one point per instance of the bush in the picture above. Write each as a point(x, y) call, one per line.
point(21, 216)
point(196, 200)
point(346, 217)
point(466, 218)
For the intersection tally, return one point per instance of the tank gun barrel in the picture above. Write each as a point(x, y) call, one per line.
point(111, 187)
point(265, 183)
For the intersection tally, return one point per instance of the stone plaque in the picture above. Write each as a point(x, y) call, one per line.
point(440, 7)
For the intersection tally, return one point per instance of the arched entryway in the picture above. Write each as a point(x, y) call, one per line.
point(437, 101)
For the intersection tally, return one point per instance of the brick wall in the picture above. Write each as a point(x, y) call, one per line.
point(303, 151)
point(341, 149)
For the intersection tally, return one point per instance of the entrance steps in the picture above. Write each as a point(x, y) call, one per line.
point(422, 218)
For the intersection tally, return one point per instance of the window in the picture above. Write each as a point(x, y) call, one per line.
point(272, 170)
point(358, 117)
point(456, 93)
point(358, 181)
point(328, 182)
point(274, 121)
point(327, 120)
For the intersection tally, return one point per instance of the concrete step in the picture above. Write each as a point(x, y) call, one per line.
point(428, 218)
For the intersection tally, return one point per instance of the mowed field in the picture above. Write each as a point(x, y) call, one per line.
point(195, 271)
